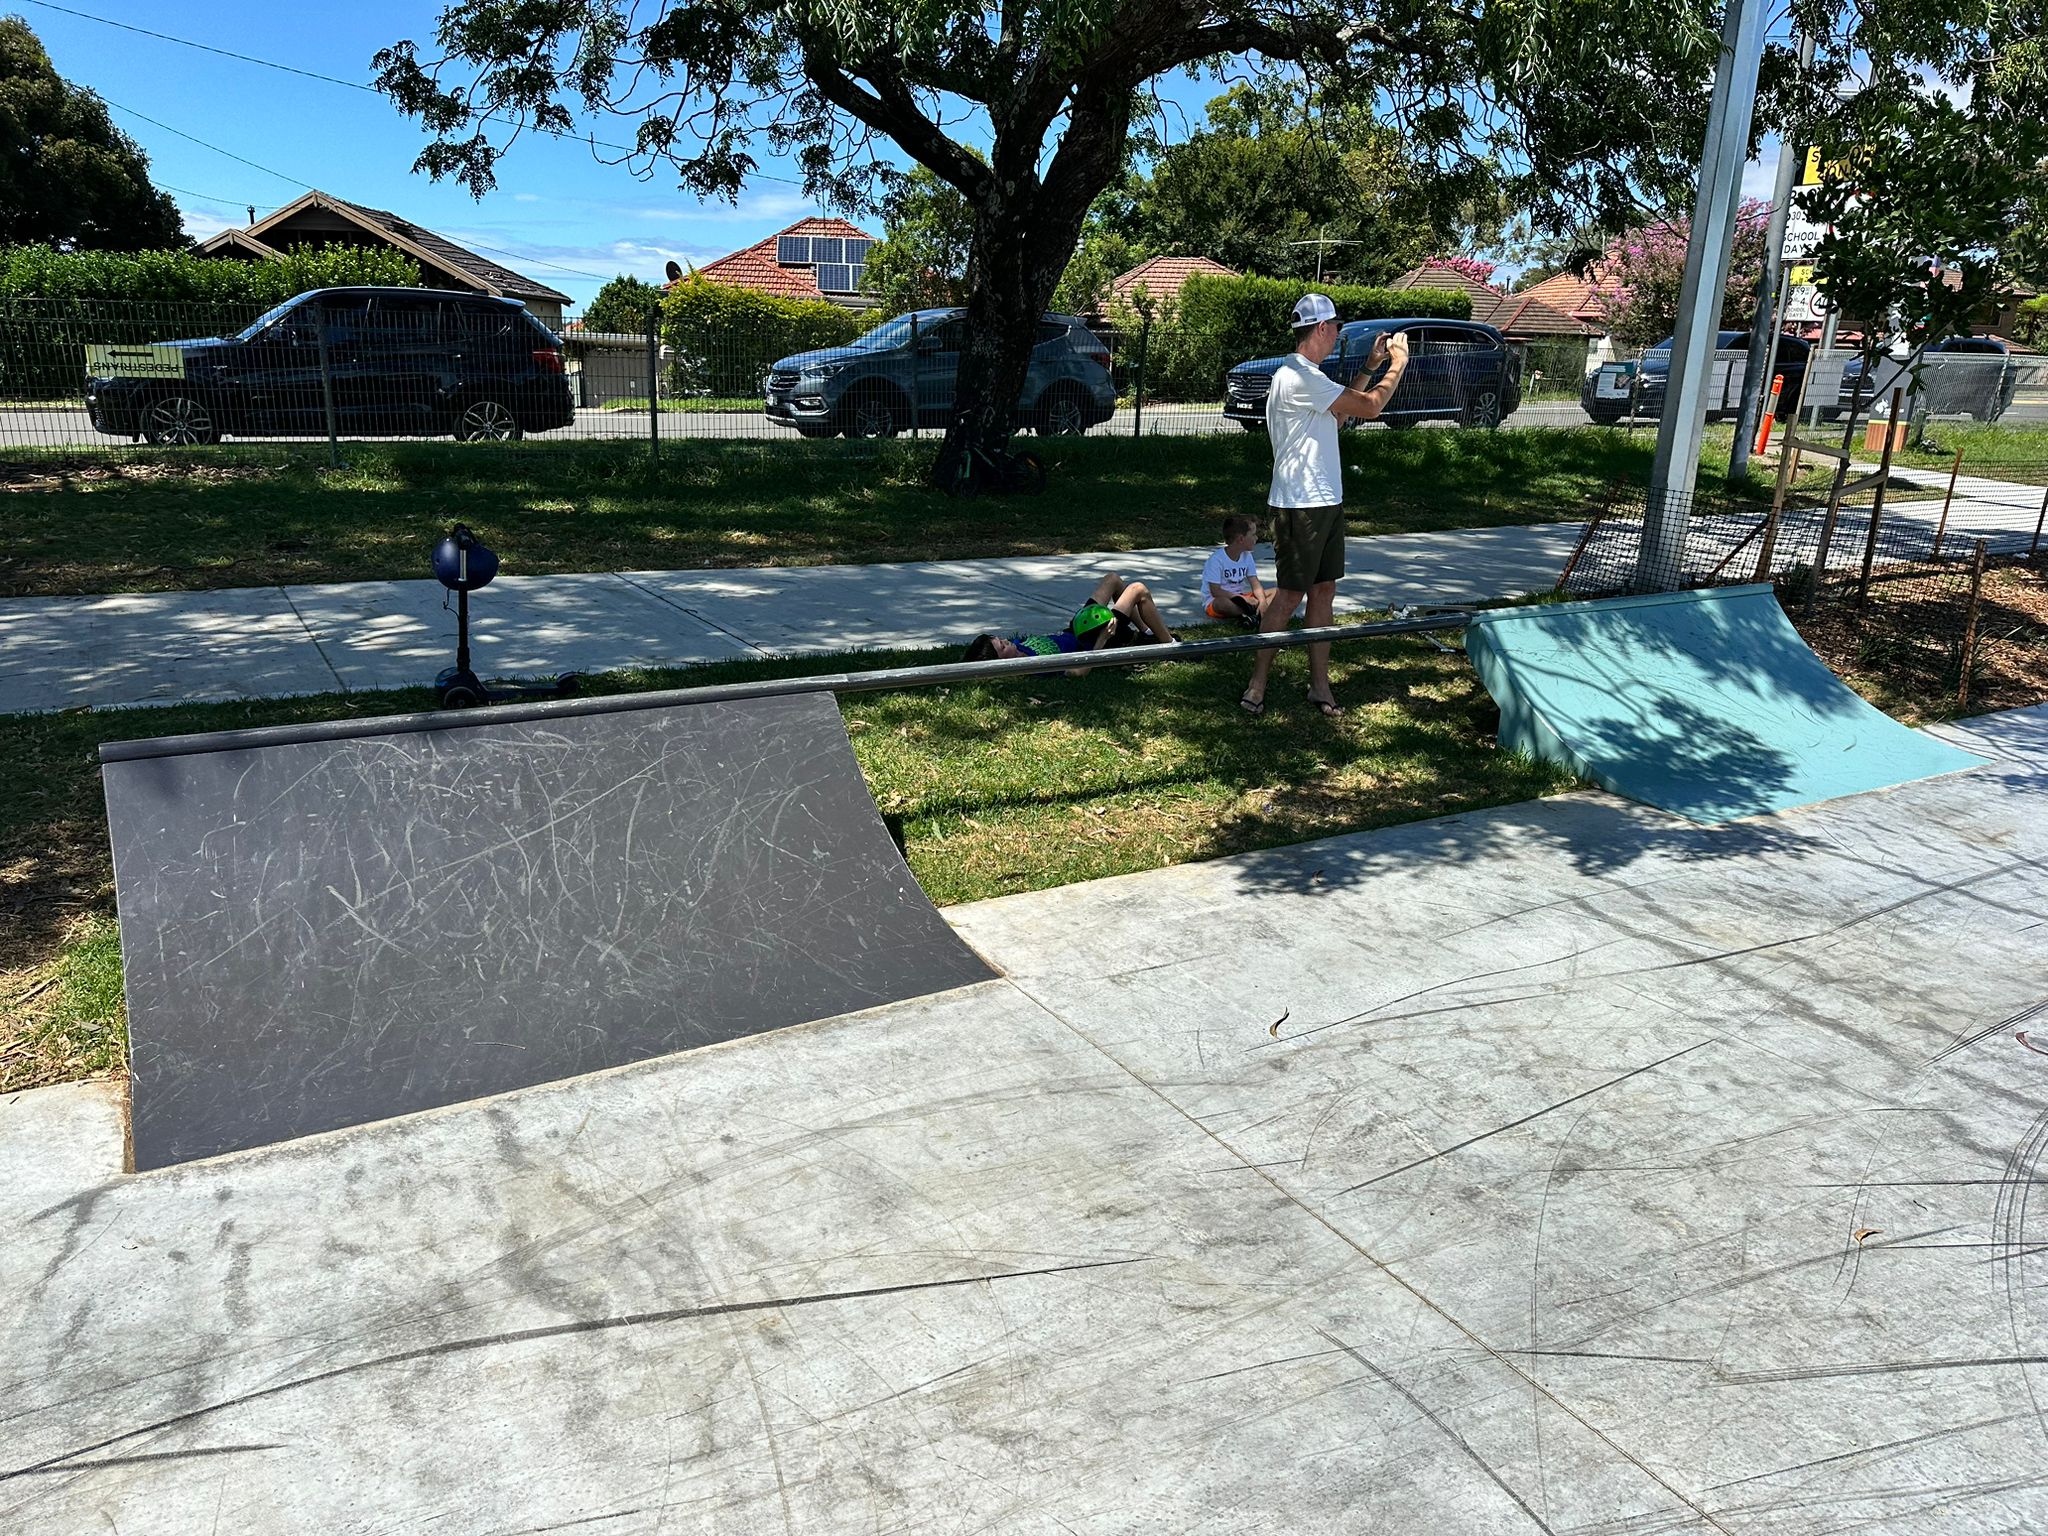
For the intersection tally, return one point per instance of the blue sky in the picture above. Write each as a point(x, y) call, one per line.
point(556, 206)
point(558, 214)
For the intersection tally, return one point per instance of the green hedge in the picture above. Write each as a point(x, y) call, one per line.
point(38, 272)
point(1218, 322)
point(723, 338)
point(2032, 327)
point(52, 303)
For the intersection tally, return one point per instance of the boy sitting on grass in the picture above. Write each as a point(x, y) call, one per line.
point(1230, 577)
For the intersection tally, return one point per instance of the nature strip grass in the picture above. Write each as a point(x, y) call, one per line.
point(269, 514)
point(999, 789)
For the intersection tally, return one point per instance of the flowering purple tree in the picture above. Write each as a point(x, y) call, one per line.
point(1646, 269)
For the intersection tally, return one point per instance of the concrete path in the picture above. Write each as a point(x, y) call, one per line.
point(1561, 1167)
point(265, 642)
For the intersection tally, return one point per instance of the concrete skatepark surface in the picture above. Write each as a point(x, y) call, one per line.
point(1560, 1167)
point(1703, 703)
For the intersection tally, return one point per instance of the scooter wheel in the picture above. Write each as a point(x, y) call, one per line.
point(461, 696)
point(568, 684)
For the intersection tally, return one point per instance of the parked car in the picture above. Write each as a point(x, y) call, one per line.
point(397, 361)
point(906, 369)
point(1609, 389)
point(1458, 370)
point(1957, 378)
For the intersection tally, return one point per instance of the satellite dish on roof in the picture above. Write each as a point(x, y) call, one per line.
point(675, 273)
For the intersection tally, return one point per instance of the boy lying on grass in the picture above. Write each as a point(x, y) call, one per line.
point(1117, 612)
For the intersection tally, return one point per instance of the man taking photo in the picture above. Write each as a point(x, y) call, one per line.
point(1303, 409)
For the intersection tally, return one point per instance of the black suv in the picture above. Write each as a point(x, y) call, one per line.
point(415, 362)
point(1608, 390)
point(1458, 370)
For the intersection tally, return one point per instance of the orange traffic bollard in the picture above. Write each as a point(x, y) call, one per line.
point(1763, 431)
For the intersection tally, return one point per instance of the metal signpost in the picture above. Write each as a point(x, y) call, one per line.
point(1679, 433)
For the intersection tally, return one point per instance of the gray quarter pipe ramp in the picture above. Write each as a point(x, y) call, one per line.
point(392, 916)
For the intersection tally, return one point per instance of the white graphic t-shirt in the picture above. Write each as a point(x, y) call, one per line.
point(1306, 470)
point(1232, 575)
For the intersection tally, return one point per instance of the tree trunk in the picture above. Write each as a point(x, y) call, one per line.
point(1020, 250)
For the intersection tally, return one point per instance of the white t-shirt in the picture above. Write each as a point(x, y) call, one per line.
point(1306, 470)
point(1231, 575)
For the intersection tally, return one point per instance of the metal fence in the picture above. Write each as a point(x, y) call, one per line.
point(1921, 578)
point(1986, 387)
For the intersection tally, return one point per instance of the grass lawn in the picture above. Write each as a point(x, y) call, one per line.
point(2001, 452)
point(157, 521)
point(1000, 789)
point(683, 404)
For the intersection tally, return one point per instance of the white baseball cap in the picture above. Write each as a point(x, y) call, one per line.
point(1314, 309)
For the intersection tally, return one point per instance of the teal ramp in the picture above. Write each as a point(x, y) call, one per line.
point(1704, 703)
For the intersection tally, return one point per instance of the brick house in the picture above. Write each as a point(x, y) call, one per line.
point(811, 259)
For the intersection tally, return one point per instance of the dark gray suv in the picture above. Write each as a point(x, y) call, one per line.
point(904, 370)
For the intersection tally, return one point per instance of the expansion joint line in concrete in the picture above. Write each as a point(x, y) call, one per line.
point(704, 619)
point(318, 649)
point(1492, 1353)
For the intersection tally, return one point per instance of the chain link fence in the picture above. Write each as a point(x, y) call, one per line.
point(1928, 582)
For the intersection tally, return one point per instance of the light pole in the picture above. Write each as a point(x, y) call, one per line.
point(1677, 465)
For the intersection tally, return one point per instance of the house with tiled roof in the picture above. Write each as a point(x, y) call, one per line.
point(1163, 277)
point(1517, 316)
point(812, 259)
point(1588, 298)
point(320, 219)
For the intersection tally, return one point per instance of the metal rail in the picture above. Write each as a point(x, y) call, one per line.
point(772, 688)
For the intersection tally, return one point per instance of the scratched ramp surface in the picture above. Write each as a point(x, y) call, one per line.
point(321, 933)
point(1704, 703)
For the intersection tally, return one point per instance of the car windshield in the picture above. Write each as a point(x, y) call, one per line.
point(273, 313)
point(891, 334)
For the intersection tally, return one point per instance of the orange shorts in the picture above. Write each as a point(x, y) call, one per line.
point(1216, 611)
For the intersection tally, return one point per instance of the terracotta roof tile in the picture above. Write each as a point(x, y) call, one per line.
point(755, 266)
point(1164, 276)
point(1514, 315)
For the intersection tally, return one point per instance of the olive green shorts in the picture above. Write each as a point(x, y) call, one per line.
point(1308, 545)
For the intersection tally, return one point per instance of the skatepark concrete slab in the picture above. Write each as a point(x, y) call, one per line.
point(155, 648)
point(1559, 1167)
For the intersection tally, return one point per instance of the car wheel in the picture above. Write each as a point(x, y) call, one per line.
point(487, 421)
point(1482, 410)
point(179, 421)
point(1399, 423)
point(1064, 414)
point(874, 413)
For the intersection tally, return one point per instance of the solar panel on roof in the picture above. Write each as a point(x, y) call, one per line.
point(857, 251)
point(836, 277)
point(793, 250)
point(826, 248)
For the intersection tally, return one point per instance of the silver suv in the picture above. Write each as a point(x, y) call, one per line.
point(904, 370)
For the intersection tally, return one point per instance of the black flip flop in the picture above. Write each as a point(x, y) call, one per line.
point(1251, 706)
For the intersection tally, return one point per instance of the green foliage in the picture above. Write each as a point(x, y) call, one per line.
point(2032, 327)
point(41, 272)
point(1103, 257)
point(67, 174)
point(1939, 162)
point(724, 338)
point(1278, 169)
point(928, 234)
point(621, 307)
point(1219, 322)
point(53, 303)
